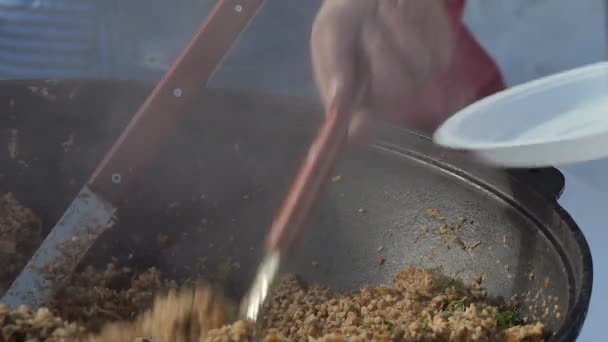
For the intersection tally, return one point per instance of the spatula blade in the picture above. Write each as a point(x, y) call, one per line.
point(87, 217)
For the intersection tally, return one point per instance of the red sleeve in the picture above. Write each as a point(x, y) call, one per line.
point(471, 75)
point(456, 7)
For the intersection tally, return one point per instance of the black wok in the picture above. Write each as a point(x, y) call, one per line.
point(220, 179)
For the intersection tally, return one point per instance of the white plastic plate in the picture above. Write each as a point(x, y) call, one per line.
point(556, 120)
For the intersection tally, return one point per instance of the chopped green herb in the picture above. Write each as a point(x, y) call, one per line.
point(458, 305)
point(457, 284)
point(438, 269)
point(424, 297)
point(506, 319)
point(389, 325)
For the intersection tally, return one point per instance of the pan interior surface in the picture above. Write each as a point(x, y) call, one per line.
point(213, 191)
point(390, 202)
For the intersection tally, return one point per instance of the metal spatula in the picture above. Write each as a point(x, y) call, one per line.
point(91, 212)
point(303, 194)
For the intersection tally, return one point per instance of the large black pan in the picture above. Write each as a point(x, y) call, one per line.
point(215, 188)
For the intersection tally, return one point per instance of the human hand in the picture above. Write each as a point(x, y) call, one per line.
point(378, 53)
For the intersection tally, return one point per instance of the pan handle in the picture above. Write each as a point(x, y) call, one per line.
point(548, 182)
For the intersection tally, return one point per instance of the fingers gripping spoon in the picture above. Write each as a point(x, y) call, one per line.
point(302, 195)
point(91, 212)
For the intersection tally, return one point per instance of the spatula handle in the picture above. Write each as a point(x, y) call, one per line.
point(155, 120)
point(312, 175)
